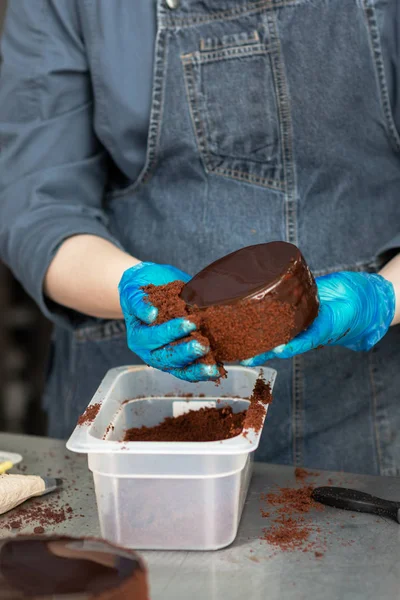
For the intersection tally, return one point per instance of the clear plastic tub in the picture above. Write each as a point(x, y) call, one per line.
point(167, 495)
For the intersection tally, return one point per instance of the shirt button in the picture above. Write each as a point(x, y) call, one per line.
point(173, 4)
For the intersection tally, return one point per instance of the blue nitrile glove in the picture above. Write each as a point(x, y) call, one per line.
point(152, 344)
point(356, 310)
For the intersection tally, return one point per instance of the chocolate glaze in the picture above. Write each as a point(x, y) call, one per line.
point(242, 274)
point(253, 299)
point(33, 567)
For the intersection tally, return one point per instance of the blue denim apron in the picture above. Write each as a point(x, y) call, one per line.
point(270, 120)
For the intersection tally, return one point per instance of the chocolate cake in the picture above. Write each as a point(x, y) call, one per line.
point(245, 303)
point(48, 567)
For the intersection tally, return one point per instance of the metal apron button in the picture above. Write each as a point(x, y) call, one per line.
point(173, 4)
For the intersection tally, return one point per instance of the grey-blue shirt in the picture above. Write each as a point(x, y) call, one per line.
point(53, 158)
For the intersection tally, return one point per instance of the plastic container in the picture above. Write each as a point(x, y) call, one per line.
point(172, 495)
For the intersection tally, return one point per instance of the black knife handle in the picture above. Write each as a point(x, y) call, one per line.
point(349, 499)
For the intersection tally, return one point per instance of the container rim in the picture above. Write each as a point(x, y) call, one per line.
point(83, 441)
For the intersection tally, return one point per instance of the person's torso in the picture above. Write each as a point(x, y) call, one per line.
point(269, 120)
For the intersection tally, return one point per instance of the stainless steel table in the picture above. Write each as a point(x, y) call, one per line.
point(361, 561)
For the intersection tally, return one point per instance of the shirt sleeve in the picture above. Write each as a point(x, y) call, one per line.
point(53, 169)
point(390, 249)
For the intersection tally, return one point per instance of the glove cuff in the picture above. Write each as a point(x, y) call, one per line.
point(381, 301)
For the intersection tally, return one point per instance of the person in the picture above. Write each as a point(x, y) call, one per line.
point(142, 140)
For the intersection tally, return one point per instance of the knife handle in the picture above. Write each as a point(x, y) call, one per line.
point(348, 499)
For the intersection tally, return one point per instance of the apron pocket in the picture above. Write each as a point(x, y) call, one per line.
point(231, 92)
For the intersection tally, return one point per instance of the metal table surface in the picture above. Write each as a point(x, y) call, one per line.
point(361, 560)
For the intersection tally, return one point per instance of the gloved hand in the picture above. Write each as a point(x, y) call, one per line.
point(356, 310)
point(152, 344)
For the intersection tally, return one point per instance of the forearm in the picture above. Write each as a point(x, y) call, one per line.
point(84, 276)
point(391, 272)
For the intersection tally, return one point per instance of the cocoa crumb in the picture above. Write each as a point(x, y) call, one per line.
point(302, 474)
point(260, 397)
point(208, 424)
point(35, 514)
point(38, 530)
point(289, 530)
point(109, 428)
point(89, 415)
point(288, 535)
point(294, 499)
point(262, 390)
point(203, 425)
point(167, 300)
